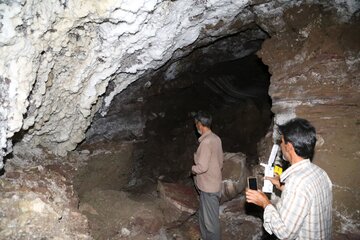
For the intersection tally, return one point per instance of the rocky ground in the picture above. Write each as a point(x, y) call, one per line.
point(93, 195)
point(38, 200)
point(143, 208)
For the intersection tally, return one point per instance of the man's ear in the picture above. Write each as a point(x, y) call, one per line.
point(289, 147)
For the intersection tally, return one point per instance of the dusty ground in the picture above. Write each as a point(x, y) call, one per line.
point(132, 209)
point(39, 200)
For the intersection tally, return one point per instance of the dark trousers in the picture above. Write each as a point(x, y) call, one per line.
point(209, 216)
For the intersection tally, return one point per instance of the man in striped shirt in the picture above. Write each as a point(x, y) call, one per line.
point(304, 210)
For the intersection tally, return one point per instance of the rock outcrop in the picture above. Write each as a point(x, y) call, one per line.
point(315, 67)
point(37, 198)
point(235, 173)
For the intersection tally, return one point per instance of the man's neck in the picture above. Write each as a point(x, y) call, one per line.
point(295, 159)
point(205, 130)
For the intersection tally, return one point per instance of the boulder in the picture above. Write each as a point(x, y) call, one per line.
point(235, 173)
point(184, 198)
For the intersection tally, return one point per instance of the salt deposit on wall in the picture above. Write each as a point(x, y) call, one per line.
point(59, 56)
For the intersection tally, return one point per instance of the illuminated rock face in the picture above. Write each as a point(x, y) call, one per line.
point(63, 61)
point(317, 77)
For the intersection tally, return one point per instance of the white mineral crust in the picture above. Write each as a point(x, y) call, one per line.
point(59, 57)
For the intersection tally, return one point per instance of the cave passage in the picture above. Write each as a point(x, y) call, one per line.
point(234, 92)
point(149, 134)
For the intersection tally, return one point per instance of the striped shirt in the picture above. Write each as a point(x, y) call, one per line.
point(304, 210)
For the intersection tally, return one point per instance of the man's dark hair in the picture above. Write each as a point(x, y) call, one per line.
point(204, 118)
point(301, 134)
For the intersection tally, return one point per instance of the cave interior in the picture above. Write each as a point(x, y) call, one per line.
point(234, 92)
point(155, 116)
point(278, 60)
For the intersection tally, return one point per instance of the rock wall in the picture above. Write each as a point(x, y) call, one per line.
point(315, 67)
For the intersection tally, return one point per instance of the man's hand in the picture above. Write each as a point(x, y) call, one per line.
point(257, 197)
point(276, 181)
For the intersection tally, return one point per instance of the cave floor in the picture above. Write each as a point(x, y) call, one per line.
point(93, 193)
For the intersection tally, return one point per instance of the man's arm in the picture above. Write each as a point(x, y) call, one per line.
point(286, 221)
point(204, 156)
point(257, 197)
point(294, 207)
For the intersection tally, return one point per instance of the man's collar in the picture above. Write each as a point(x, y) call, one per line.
point(294, 168)
point(204, 135)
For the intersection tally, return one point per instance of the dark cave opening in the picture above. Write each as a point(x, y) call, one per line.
point(235, 93)
point(155, 114)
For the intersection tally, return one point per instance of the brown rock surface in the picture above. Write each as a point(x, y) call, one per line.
point(234, 173)
point(181, 196)
point(315, 67)
point(38, 201)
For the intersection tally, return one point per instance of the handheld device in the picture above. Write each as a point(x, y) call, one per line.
point(252, 183)
point(269, 169)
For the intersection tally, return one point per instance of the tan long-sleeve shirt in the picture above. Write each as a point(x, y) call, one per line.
point(208, 160)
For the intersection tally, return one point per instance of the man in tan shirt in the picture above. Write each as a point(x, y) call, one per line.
point(208, 161)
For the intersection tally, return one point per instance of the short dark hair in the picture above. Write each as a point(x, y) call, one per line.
point(301, 134)
point(204, 118)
